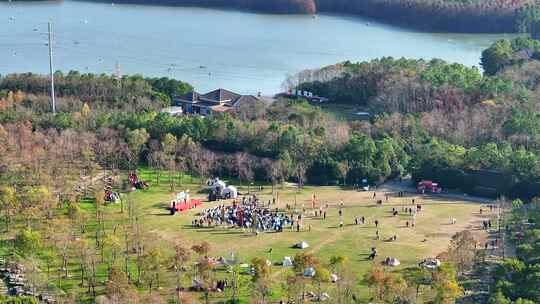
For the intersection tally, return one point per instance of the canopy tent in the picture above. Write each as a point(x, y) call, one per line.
point(230, 192)
point(287, 262)
point(430, 263)
point(392, 262)
point(183, 202)
point(309, 272)
point(302, 245)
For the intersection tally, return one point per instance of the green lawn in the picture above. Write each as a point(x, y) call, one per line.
point(430, 236)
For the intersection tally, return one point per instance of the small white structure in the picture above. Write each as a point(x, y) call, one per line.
point(392, 262)
point(230, 192)
point(182, 197)
point(325, 296)
point(334, 277)
point(173, 111)
point(220, 187)
point(309, 272)
point(287, 262)
point(431, 263)
point(217, 184)
point(302, 245)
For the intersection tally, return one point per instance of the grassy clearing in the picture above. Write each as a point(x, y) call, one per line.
point(430, 236)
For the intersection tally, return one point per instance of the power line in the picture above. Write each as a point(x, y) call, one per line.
point(53, 100)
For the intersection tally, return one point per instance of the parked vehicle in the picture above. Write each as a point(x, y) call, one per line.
point(428, 186)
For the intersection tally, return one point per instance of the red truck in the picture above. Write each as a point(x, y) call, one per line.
point(428, 186)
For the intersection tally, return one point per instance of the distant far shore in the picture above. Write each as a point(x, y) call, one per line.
point(479, 17)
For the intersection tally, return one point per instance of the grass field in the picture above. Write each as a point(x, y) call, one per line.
point(429, 237)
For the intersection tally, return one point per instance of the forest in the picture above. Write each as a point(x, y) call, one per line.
point(463, 16)
point(473, 131)
point(432, 119)
point(449, 113)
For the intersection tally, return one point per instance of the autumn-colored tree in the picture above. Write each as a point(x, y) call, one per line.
point(294, 287)
point(201, 249)
point(419, 277)
point(28, 242)
point(118, 289)
point(462, 250)
point(446, 285)
point(113, 245)
point(261, 279)
point(322, 276)
point(8, 203)
point(376, 279)
point(152, 265)
point(204, 269)
point(181, 256)
point(346, 279)
point(304, 260)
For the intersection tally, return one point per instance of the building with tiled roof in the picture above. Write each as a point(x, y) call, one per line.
point(219, 100)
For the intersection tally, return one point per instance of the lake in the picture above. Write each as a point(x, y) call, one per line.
point(209, 48)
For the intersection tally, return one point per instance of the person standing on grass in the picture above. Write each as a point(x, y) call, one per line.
point(376, 223)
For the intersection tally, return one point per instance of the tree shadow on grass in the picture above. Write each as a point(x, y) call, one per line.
point(233, 232)
point(159, 205)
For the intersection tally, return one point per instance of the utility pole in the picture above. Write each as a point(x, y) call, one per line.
point(117, 70)
point(53, 99)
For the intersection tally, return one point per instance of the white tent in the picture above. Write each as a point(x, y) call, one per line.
point(287, 262)
point(392, 262)
point(431, 263)
point(302, 245)
point(217, 183)
point(309, 272)
point(182, 196)
point(230, 192)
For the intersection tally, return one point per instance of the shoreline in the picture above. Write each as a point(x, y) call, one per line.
point(408, 14)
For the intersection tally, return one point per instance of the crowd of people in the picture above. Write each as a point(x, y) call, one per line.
point(250, 213)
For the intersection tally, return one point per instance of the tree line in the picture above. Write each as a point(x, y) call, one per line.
point(434, 104)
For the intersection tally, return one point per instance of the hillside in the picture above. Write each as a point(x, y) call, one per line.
point(65, 235)
point(479, 16)
point(436, 15)
point(275, 6)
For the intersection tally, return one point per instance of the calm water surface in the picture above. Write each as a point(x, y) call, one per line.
point(209, 48)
